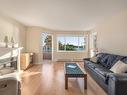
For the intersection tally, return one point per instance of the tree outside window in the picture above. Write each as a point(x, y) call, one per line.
point(71, 43)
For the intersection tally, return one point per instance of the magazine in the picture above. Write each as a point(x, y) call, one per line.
point(72, 66)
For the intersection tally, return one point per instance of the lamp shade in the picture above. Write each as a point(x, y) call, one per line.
point(95, 50)
point(12, 40)
point(6, 39)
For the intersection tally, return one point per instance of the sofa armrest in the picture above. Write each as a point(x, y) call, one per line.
point(9, 86)
point(88, 59)
point(117, 84)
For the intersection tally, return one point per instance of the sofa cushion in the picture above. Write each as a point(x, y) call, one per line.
point(99, 78)
point(100, 74)
point(99, 69)
point(92, 64)
point(108, 60)
point(103, 71)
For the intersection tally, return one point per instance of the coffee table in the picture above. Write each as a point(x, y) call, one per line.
point(73, 70)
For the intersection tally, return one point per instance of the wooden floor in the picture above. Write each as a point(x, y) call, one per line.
point(48, 79)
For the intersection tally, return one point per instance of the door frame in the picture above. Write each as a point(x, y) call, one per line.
point(93, 44)
point(52, 45)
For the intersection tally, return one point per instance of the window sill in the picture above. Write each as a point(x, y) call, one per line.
point(71, 51)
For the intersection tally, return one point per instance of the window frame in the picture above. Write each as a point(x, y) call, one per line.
point(86, 36)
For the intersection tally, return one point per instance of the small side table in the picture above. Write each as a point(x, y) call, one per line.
point(26, 60)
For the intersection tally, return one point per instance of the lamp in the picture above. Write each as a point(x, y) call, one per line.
point(12, 41)
point(6, 41)
point(93, 51)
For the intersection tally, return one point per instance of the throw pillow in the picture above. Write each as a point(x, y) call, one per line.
point(119, 67)
point(93, 59)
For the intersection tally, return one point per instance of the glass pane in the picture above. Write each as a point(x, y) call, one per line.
point(47, 43)
point(71, 43)
point(82, 43)
point(61, 43)
point(95, 41)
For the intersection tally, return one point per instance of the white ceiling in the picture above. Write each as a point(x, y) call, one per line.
point(61, 14)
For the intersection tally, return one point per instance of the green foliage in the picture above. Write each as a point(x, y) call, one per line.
point(61, 46)
point(48, 40)
point(69, 47)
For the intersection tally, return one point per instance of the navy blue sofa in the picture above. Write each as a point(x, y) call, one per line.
point(112, 83)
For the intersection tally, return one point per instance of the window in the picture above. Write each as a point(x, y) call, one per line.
point(71, 43)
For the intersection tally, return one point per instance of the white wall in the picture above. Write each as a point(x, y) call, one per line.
point(112, 34)
point(12, 28)
point(33, 44)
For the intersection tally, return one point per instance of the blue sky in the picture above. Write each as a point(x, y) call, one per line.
point(71, 40)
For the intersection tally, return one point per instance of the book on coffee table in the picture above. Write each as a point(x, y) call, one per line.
point(72, 66)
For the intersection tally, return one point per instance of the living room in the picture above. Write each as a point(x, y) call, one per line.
point(87, 35)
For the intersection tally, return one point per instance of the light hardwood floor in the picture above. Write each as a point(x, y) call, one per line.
point(48, 79)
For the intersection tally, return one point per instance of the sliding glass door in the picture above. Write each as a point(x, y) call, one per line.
point(47, 46)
